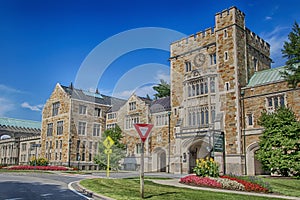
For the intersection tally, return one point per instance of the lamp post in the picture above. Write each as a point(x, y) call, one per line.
point(69, 157)
point(244, 129)
point(169, 140)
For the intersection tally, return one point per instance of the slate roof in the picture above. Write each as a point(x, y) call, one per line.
point(160, 105)
point(19, 123)
point(94, 97)
point(266, 76)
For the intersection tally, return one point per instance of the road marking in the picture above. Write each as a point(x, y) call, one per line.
point(45, 195)
point(14, 198)
point(73, 190)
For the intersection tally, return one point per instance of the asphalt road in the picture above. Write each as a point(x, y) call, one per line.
point(37, 186)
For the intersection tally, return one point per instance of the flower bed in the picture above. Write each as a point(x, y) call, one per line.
point(200, 181)
point(224, 182)
point(47, 168)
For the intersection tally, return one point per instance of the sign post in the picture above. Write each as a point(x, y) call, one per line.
point(108, 142)
point(219, 146)
point(143, 130)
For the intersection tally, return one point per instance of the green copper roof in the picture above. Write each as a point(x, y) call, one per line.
point(19, 123)
point(266, 76)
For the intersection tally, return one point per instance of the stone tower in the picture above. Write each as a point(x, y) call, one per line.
point(207, 71)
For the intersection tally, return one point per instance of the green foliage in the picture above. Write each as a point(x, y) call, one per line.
point(162, 89)
point(38, 162)
point(118, 149)
point(279, 143)
point(291, 51)
point(206, 167)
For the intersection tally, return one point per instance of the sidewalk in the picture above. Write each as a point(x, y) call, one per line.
point(175, 182)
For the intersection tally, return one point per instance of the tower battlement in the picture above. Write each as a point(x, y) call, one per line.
point(195, 38)
point(257, 40)
point(229, 12)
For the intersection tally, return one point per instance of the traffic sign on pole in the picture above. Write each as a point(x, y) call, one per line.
point(143, 130)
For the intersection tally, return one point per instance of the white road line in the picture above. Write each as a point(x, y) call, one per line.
point(73, 190)
point(14, 199)
point(45, 195)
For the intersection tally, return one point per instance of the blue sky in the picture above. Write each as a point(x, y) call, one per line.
point(44, 42)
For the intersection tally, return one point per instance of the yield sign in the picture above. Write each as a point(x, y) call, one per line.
point(143, 130)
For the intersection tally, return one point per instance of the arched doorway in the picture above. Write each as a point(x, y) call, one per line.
point(198, 149)
point(254, 166)
point(161, 161)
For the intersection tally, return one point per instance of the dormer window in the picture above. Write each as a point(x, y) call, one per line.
point(132, 105)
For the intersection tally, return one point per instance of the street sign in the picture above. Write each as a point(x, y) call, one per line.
point(143, 130)
point(107, 151)
point(218, 141)
point(108, 142)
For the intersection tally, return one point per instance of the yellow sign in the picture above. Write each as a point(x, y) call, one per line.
point(107, 151)
point(108, 142)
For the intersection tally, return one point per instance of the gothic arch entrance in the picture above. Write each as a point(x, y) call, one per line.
point(161, 161)
point(254, 166)
point(199, 149)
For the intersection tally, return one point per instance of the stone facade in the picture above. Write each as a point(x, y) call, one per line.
point(17, 137)
point(72, 124)
point(264, 97)
point(208, 70)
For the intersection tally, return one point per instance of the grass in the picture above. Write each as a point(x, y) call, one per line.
point(285, 186)
point(130, 189)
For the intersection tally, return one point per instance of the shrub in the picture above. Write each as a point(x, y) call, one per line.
point(38, 162)
point(206, 167)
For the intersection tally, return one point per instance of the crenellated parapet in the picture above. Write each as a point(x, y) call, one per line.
point(258, 43)
point(228, 17)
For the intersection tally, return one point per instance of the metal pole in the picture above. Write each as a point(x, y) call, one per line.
point(142, 172)
point(107, 170)
point(244, 131)
point(35, 157)
point(69, 157)
point(169, 142)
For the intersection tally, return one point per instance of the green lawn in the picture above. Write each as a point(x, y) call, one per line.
point(285, 186)
point(130, 189)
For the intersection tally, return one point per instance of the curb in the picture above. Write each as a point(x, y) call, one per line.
point(88, 193)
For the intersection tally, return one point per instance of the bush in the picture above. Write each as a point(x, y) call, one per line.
point(206, 167)
point(38, 162)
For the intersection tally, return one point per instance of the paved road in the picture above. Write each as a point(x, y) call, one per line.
point(37, 186)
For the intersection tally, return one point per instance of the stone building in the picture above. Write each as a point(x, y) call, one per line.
point(72, 123)
point(143, 110)
point(266, 91)
point(16, 139)
point(208, 70)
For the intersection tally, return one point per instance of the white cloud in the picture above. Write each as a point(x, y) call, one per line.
point(162, 75)
point(7, 89)
point(5, 106)
point(268, 18)
point(141, 91)
point(276, 38)
point(33, 108)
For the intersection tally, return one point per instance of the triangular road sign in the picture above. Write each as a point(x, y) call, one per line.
point(143, 130)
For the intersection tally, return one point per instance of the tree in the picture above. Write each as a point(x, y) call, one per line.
point(291, 51)
point(162, 89)
point(279, 143)
point(118, 149)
